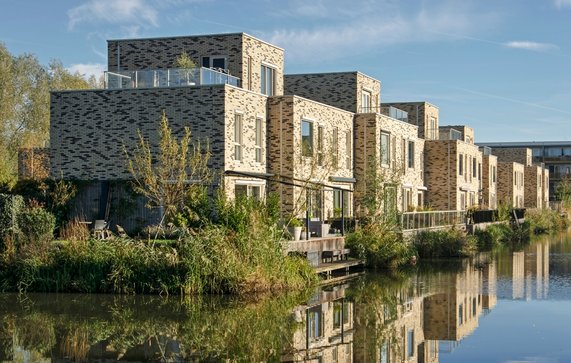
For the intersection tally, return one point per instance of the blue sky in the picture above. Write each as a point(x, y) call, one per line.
point(500, 66)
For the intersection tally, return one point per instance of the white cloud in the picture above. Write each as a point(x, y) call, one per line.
point(381, 26)
point(527, 45)
point(88, 69)
point(122, 12)
point(562, 3)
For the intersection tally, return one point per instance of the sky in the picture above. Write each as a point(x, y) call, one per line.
point(502, 67)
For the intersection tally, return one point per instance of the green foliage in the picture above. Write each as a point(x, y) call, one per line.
point(10, 207)
point(545, 220)
point(502, 234)
point(444, 243)
point(380, 246)
point(37, 227)
point(505, 211)
point(563, 191)
point(184, 61)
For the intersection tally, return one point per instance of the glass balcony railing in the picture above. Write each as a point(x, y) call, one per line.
point(395, 113)
point(175, 77)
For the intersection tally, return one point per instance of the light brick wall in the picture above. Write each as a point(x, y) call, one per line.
point(244, 55)
point(447, 189)
point(510, 187)
point(466, 131)
point(368, 129)
point(285, 158)
point(517, 155)
point(545, 173)
point(489, 185)
point(342, 90)
point(533, 187)
point(421, 114)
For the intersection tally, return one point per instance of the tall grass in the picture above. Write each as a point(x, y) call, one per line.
point(545, 220)
point(444, 243)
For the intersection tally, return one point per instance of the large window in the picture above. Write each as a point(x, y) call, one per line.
point(460, 164)
point(267, 86)
point(217, 61)
point(411, 154)
point(410, 343)
point(320, 145)
point(248, 190)
point(385, 149)
point(314, 323)
point(238, 121)
point(306, 138)
point(348, 149)
point(335, 147)
point(259, 140)
point(340, 203)
point(366, 102)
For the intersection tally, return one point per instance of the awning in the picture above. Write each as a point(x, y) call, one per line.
point(340, 179)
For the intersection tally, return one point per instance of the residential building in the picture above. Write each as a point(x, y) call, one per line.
point(511, 187)
point(453, 169)
point(422, 114)
point(555, 155)
point(489, 179)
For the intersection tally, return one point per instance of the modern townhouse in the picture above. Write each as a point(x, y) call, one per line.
point(453, 169)
point(511, 187)
point(489, 179)
point(422, 114)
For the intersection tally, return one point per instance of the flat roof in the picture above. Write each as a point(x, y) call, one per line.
point(529, 144)
point(196, 36)
point(332, 73)
point(409, 103)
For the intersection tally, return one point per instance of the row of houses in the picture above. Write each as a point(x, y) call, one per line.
point(325, 143)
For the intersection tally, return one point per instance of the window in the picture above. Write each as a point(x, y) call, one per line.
point(238, 136)
point(384, 353)
point(348, 149)
point(385, 149)
point(267, 83)
point(214, 62)
point(474, 168)
point(259, 138)
point(366, 101)
point(461, 164)
point(337, 314)
point(410, 343)
point(306, 138)
point(493, 174)
point(340, 197)
point(335, 147)
point(242, 190)
point(314, 323)
point(432, 128)
point(320, 145)
point(315, 200)
point(479, 171)
point(411, 154)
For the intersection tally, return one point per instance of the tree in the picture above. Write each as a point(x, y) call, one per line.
point(563, 192)
point(25, 87)
point(167, 176)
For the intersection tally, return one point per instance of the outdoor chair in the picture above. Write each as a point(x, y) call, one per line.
point(101, 229)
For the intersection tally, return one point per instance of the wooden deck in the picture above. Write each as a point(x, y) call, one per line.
point(337, 266)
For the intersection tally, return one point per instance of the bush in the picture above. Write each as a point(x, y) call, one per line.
point(545, 220)
point(445, 243)
point(380, 246)
point(36, 230)
point(10, 207)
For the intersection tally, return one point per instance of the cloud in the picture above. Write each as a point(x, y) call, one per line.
point(88, 69)
point(380, 26)
point(527, 45)
point(123, 12)
point(562, 3)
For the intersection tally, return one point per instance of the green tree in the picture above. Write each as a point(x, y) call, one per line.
point(168, 176)
point(563, 192)
point(25, 87)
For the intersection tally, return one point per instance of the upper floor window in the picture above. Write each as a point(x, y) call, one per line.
point(385, 149)
point(366, 99)
point(335, 147)
point(216, 61)
point(306, 138)
point(474, 168)
point(461, 164)
point(259, 138)
point(411, 154)
point(348, 149)
point(320, 145)
point(493, 174)
point(267, 80)
point(238, 117)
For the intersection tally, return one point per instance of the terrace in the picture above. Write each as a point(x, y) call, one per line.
point(173, 77)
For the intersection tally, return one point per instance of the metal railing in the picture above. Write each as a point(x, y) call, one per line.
point(432, 219)
point(173, 77)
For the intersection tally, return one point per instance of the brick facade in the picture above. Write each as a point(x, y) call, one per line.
point(422, 114)
point(489, 181)
point(511, 189)
point(516, 155)
point(533, 195)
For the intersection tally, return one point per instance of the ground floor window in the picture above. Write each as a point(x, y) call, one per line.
point(248, 190)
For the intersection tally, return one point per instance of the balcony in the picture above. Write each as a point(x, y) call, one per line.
point(395, 113)
point(174, 77)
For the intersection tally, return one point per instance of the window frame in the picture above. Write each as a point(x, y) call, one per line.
point(238, 136)
point(410, 154)
point(385, 159)
point(268, 89)
point(307, 149)
point(259, 137)
point(348, 149)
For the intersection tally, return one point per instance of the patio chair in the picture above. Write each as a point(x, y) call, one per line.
point(101, 229)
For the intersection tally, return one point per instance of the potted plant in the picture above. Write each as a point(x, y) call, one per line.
point(294, 228)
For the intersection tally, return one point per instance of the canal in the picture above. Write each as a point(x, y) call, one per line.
point(507, 306)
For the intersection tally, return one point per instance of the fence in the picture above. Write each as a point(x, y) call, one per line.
point(432, 219)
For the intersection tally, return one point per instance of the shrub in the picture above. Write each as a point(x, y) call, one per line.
point(545, 220)
point(10, 207)
point(74, 230)
point(380, 246)
point(445, 243)
point(36, 230)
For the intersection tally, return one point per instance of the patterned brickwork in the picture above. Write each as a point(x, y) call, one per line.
point(452, 184)
point(489, 185)
point(422, 114)
point(533, 187)
point(343, 90)
point(368, 129)
point(511, 188)
point(33, 163)
point(516, 155)
point(285, 152)
point(244, 55)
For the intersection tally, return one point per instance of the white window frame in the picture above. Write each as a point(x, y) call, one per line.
point(385, 159)
point(265, 70)
point(238, 136)
point(309, 153)
point(259, 140)
point(366, 100)
point(211, 61)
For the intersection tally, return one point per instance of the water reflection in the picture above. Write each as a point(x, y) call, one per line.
point(421, 317)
